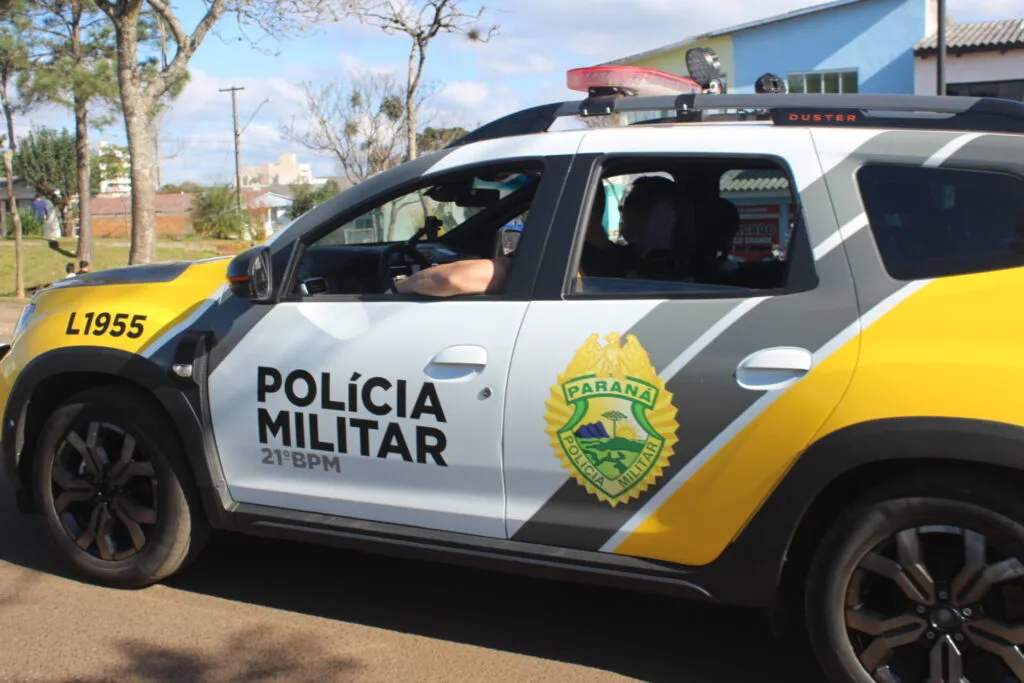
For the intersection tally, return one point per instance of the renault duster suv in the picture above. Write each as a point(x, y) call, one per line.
point(762, 350)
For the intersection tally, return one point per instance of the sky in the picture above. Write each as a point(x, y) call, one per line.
point(524, 64)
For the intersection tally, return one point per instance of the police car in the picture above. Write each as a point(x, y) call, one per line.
point(756, 349)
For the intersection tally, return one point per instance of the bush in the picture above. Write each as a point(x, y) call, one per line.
point(215, 214)
point(30, 225)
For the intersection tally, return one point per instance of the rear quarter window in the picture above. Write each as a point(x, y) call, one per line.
point(936, 222)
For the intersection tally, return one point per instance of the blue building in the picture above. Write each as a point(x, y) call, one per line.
point(843, 46)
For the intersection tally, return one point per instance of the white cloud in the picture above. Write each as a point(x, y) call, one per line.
point(464, 93)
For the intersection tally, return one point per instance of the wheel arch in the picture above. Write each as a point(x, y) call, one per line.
point(766, 566)
point(54, 376)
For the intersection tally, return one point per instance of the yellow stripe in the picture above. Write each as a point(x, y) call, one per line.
point(953, 349)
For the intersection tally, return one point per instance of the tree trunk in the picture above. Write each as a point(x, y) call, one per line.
point(67, 221)
point(137, 111)
point(81, 108)
point(19, 276)
point(84, 251)
point(143, 237)
point(13, 145)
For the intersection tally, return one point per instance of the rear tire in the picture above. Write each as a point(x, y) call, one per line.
point(896, 590)
point(112, 482)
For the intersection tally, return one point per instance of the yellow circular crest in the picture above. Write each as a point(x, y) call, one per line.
point(611, 419)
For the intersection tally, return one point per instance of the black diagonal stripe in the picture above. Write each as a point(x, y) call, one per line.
point(574, 518)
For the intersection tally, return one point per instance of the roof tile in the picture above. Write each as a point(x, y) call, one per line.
point(977, 36)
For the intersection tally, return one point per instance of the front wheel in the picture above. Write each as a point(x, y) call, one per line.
point(922, 585)
point(112, 483)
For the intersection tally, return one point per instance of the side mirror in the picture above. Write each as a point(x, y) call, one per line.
point(509, 240)
point(249, 274)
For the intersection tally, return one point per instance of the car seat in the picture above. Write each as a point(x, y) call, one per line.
point(661, 238)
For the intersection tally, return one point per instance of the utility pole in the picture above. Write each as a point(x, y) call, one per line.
point(940, 56)
point(234, 115)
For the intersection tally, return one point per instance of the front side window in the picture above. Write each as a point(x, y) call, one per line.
point(934, 222)
point(437, 210)
point(692, 227)
point(466, 217)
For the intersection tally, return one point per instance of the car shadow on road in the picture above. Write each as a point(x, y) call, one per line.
point(251, 654)
point(645, 637)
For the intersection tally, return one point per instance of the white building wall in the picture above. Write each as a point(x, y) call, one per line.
point(969, 68)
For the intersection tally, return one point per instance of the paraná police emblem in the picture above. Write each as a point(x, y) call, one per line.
point(611, 420)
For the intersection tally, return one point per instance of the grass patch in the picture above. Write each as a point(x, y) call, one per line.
point(44, 264)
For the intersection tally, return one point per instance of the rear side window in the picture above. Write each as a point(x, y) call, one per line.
point(935, 222)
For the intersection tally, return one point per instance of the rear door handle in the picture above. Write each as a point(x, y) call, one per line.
point(775, 368)
point(462, 355)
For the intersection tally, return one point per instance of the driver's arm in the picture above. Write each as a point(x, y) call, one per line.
point(477, 276)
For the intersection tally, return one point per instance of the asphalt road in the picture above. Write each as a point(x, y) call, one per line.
point(257, 610)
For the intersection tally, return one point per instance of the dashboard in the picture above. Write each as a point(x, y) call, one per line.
point(353, 269)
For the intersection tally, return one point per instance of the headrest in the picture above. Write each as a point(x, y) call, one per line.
point(658, 225)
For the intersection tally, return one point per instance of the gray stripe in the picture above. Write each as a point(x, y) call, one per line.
point(669, 328)
point(891, 147)
point(874, 284)
point(991, 152)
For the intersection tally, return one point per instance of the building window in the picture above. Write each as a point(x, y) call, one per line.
point(831, 82)
point(1010, 90)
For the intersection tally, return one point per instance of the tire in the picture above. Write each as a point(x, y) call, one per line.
point(942, 626)
point(160, 497)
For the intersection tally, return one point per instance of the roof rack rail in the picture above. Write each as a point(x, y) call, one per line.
point(979, 114)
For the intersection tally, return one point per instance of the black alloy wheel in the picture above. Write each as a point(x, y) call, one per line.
point(105, 492)
point(922, 589)
point(112, 482)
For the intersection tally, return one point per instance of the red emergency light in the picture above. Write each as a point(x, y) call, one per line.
point(631, 81)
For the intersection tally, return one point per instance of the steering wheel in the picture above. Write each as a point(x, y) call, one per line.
point(413, 255)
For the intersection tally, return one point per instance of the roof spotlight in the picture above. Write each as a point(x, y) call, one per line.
point(770, 83)
point(703, 65)
point(717, 87)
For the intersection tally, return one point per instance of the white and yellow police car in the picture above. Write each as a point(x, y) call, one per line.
point(758, 349)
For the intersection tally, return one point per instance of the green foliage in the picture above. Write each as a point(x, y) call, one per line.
point(433, 139)
point(187, 187)
point(14, 58)
point(46, 160)
point(77, 55)
point(30, 225)
point(215, 214)
point(306, 196)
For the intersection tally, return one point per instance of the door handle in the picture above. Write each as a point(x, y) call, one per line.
point(775, 368)
point(461, 355)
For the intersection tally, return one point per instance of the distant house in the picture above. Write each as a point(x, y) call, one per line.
point(984, 59)
point(269, 209)
point(24, 193)
point(112, 216)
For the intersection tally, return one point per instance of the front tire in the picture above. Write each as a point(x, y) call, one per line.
point(113, 485)
point(922, 583)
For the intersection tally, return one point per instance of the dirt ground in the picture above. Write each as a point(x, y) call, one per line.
point(9, 312)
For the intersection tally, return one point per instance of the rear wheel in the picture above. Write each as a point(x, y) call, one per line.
point(113, 485)
point(922, 584)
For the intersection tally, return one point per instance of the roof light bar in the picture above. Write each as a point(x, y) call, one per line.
point(629, 81)
point(983, 114)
